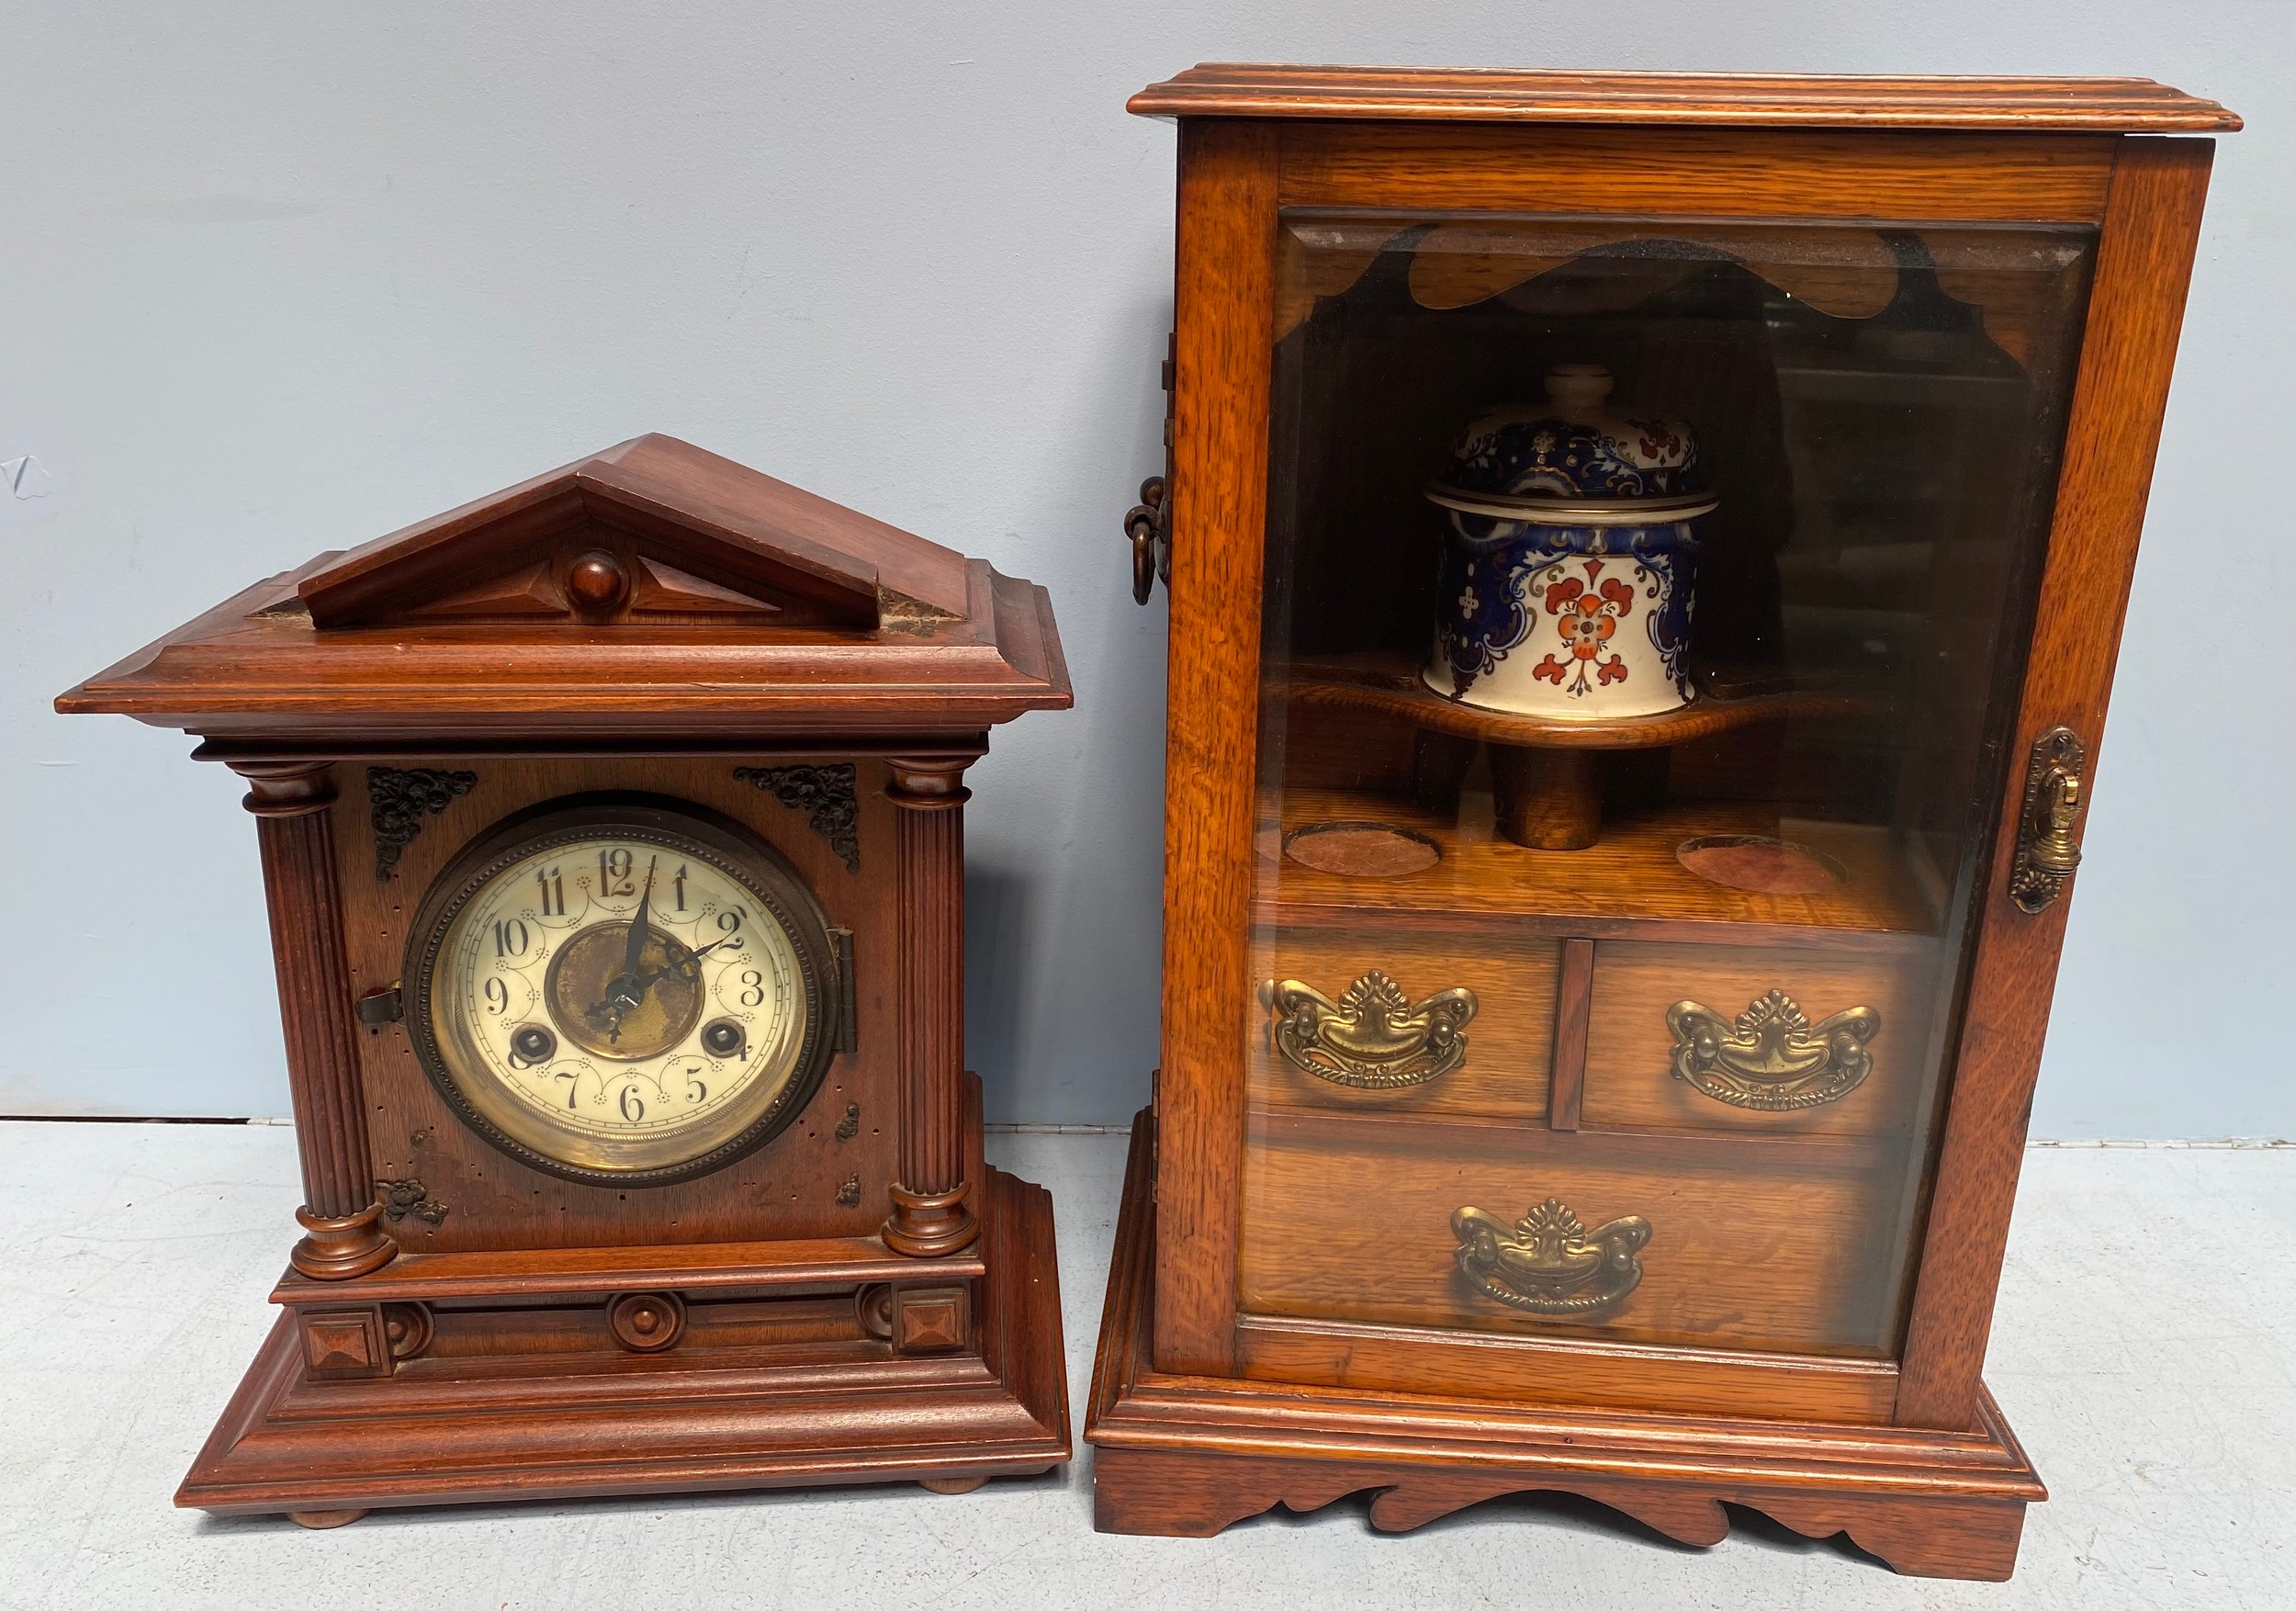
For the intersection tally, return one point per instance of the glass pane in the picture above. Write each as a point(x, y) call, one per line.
point(1645, 612)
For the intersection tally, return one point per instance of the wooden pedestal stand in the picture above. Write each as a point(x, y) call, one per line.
point(1550, 777)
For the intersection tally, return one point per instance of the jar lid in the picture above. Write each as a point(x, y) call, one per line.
point(1571, 461)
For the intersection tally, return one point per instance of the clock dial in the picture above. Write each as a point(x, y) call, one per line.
point(623, 993)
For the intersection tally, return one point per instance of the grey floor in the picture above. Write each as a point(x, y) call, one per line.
point(2145, 1350)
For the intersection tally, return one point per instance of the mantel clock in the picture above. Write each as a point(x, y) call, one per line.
point(1646, 554)
point(612, 834)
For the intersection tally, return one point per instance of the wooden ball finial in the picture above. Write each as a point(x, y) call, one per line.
point(598, 581)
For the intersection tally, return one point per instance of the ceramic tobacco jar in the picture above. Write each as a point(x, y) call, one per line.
point(1570, 557)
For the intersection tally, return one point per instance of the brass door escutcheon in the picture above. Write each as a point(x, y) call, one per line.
point(1372, 1038)
point(1548, 1263)
point(2047, 851)
point(1772, 1058)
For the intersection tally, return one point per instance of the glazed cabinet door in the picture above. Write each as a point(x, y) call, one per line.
point(1631, 584)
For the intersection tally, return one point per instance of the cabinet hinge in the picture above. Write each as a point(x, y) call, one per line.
point(378, 1007)
point(849, 990)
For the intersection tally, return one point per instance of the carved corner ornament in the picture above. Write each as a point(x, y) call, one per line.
point(1373, 1037)
point(401, 798)
point(1548, 1263)
point(1771, 1058)
point(825, 793)
point(402, 1197)
point(2047, 850)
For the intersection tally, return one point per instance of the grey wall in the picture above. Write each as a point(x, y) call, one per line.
point(279, 278)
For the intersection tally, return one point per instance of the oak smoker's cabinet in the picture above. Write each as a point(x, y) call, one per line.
point(1646, 555)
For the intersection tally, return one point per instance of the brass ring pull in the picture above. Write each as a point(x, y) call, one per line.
point(1148, 525)
point(1772, 1059)
point(1372, 1038)
point(1548, 1263)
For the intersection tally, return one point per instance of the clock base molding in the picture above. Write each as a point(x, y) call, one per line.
point(721, 1411)
point(1187, 1456)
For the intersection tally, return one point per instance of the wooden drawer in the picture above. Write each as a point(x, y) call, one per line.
point(1840, 1049)
point(1509, 1040)
point(1747, 1244)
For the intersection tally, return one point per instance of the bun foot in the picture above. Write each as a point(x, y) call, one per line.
point(950, 1484)
point(320, 1520)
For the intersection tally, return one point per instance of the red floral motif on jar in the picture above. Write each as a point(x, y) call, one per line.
point(1587, 613)
point(1660, 442)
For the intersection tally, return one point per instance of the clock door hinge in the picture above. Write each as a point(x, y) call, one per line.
point(848, 991)
point(378, 1007)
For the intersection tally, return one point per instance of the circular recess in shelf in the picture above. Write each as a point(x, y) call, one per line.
point(1361, 850)
point(1762, 866)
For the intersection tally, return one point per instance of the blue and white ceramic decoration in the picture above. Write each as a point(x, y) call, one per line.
point(1570, 558)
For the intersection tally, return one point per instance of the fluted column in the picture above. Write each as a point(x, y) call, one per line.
point(930, 1216)
point(293, 826)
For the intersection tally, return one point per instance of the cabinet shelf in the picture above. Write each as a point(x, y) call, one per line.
point(1390, 685)
point(1629, 883)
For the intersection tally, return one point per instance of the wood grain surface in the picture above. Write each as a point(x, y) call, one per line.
point(1509, 1040)
point(1575, 1004)
point(1266, 89)
point(1809, 1274)
point(1631, 1082)
point(1753, 1243)
point(2136, 308)
point(1188, 1455)
point(1558, 1370)
point(1224, 301)
point(729, 1408)
point(784, 1190)
point(644, 622)
point(1391, 685)
point(1628, 877)
point(1557, 170)
point(407, 640)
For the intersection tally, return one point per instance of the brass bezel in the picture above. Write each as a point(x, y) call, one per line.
point(709, 1145)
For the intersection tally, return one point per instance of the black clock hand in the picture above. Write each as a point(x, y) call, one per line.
point(627, 989)
point(635, 952)
point(680, 965)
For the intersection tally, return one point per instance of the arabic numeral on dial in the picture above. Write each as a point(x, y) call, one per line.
point(512, 938)
point(753, 988)
point(696, 1090)
point(498, 996)
point(633, 1106)
point(613, 871)
point(553, 892)
point(678, 882)
point(571, 1080)
point(729, 925)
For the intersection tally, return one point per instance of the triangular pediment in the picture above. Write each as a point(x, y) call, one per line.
point(654, 533)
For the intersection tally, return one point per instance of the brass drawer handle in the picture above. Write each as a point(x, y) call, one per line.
point(2047, 851)
point(1372, 1038)
point(1548, 1263)
point(1772, 1058)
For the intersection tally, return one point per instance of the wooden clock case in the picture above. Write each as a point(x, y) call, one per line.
point(859, 1299)
point(1238, 1367)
